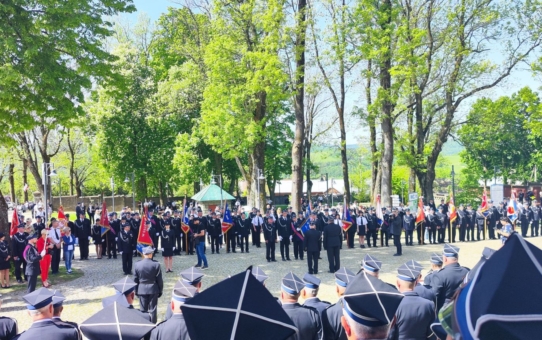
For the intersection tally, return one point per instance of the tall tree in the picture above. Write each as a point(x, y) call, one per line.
point(299, 104)
point(339, 61)
point(246, 84)
point(50, 51)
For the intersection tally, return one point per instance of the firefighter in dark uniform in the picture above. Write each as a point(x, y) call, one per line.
point(148, 277)
point(537, 214)
point(214, 228)
point(312, 245)
point(333, 244)
point(492, 218)
point(448, 279)
point(125, 243)
point(58, 301)
point(297, 236)
point(84, 234)
point(136, 224)
point(310, 294)
point(463, 219)
point(306, 319)
point(331, 316)
point(176, 226)
point(8, 327)
point(270, 237)
point(44, 327)
point(174, 328)
point(284, 231)
point(231, 234)
point(156, 229)
point(436, 265)
point(442, 223)
point(112, 238)
point(396, 223)
point(244, 226)
point(39, 225)
point(430, 224)
point(372, 228)
point(414, 316)
point(471, 222)
point(18, 243)
point(385, 229)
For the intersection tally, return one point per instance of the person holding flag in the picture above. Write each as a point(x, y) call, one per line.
point(229, 229)
point(297, 236)
point(452, 217)
point(420, 219)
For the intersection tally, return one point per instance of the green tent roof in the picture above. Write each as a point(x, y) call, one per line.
point(212, 193)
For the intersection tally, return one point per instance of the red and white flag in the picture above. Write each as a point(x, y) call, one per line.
point(14, 223)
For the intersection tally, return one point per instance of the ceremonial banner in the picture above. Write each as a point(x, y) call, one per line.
point(347, 219)
point(14, 223)
point(104, 220)
point(512, 209)
point(451, 209)
point(143, 237)
point(420, 217)
point(485, 207)
point(227, 222)
point(185, 221)
point(379, 214)
point(305, 226)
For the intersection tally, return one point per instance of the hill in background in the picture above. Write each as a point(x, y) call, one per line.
point(328, 159)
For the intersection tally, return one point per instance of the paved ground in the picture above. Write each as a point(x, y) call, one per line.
point(84, 294)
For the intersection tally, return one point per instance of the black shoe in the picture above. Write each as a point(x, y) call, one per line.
point(397, 254)
point(273, 260)
point(268, 260)
point(283, 259)
point(247, 251)
point(287, 259)
point(197, 266)
point(311, 273)
point(362, 246)
point(19, 281)
point(330, 272)
point(204, 267)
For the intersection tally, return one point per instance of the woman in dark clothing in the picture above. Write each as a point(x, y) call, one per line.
point(168, 246)
point(5, 262)
point(97, 238)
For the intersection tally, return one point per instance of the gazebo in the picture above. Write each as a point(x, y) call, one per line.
point(211, 196)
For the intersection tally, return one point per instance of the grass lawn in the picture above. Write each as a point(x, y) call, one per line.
point(57, 279)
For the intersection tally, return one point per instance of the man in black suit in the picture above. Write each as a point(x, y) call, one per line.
point(270, 236)
point(333, 244)
point(39, 225)
point(148, 277)
point(311, 243)
point(214, 229)
point(84, 231)
point(244, 226)
point(396, 223)
point(284, 230)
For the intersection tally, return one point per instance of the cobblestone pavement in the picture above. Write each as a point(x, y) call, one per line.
point(84, 294)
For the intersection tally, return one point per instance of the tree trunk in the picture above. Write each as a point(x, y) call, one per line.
point(12, 183)
point(258, 155)
point(299, 107)
point(25, 180)
point(371, 120)
point(4, 221)
point(308, 168)
point(386, 120)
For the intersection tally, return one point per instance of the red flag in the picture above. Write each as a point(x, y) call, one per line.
point(453, 211)
point(421, 214)
point(347, 220)
point(484, 203)
point(104, 221)
point(61, 215)
point(143, 237)
point(14, 223)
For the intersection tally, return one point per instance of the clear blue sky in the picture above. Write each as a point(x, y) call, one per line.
point(518, 79)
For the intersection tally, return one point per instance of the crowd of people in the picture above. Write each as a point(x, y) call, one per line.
point(447, 302)
point(37, 248)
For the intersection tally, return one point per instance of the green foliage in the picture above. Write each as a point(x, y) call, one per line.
point(49, 53)
point(502, 135)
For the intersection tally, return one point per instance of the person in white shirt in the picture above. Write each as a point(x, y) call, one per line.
point(55, 238)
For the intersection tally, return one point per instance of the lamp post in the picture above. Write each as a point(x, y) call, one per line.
point(327, 185)
point(279, 183)
point(213, 181)
point(259, 177)
point(453, 181)
point(113, 191)
point(403, 191)
point(45, 175)
point(126, 180)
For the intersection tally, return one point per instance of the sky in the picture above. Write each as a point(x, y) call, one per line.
point(356, 133)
